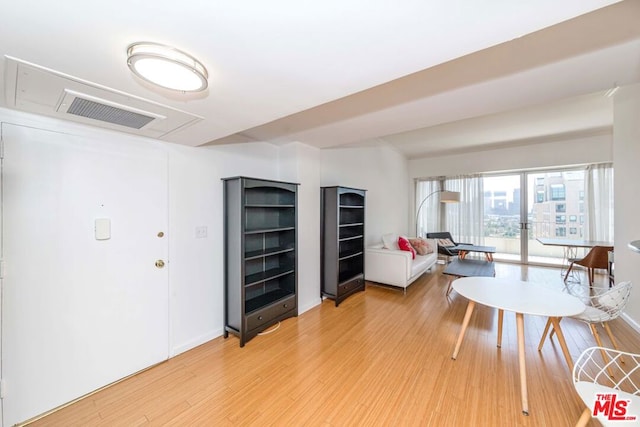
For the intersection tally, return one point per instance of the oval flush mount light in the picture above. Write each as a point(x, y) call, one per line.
point(167, 67)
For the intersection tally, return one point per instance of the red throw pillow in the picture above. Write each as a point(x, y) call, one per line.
point(406, 246)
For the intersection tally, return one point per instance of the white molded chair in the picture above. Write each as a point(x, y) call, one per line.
point(604, 305)
point(592, 376)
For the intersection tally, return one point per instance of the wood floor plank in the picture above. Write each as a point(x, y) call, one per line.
point(381, 358)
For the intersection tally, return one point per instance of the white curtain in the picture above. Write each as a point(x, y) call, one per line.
point(598, 202)
point(464, 220)
point(428, 214)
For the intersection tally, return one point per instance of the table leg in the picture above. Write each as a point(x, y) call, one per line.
point(449, 288)
point(521, 358)
point(500, 317)
point(489, 256)
point(465, 323)
point(544, 334)
point(556, 327)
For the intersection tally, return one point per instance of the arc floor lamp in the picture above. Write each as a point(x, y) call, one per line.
point(445, 197)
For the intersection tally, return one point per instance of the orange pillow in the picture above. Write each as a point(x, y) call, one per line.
point(406, 246)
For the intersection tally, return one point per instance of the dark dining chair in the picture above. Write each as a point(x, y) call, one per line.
point(598, 257)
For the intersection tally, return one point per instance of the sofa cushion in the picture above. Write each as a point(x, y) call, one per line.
point(390, 241)
point(445, 242)
point(420, 263)
point(421, 246)
point(404, 245)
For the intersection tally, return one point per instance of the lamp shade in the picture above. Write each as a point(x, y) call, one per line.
point(449, 197)
point(445, 197)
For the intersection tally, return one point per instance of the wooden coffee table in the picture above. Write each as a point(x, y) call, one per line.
point(488, 251)
point(462, 267)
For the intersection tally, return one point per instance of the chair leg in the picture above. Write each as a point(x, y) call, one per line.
point(594, 331)
point(584, 418)
point(566, 276)
point(607, 329)
point(544, 334)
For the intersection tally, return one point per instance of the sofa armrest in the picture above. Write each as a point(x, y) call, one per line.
point(389, 266)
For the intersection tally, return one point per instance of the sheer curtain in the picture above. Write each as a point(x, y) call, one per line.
point(464, 220)
point(598, 202)
point(429, 216)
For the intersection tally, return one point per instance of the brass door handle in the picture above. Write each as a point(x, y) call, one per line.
point(159, 263)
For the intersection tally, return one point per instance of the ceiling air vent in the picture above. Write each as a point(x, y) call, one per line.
point(107, 113)
point(94, 108)
point(39, 90)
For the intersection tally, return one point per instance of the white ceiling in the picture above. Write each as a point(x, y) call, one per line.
point(423, 76)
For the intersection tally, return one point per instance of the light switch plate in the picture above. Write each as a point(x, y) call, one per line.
point(103, 228)
point(201, 232)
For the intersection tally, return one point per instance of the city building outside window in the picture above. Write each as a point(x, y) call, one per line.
point(557, 192)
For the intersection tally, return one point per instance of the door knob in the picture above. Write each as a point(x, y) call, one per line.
point(159, 263)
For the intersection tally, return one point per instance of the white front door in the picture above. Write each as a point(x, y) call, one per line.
point(80, 312)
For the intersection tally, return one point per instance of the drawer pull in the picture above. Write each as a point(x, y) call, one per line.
point(285, 305)
point(259, 317)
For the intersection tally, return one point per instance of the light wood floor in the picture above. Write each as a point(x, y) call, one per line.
point(382, 358)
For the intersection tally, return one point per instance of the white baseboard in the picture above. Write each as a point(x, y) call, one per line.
point(635, 325)
point(308, 307)
point(196, 342)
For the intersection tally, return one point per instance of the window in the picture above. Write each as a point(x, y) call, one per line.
point(557, 192)
point(540, 197)
point(561, 219)
point(573, 230)
point(561, 232)
point(561, 207)
point(581, 219)
point(581, 194)
point(573, 218)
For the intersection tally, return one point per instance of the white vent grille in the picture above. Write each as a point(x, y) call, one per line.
point(30, 87)
point(106, 113)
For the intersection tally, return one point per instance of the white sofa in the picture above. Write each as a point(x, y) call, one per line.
point(396, 267)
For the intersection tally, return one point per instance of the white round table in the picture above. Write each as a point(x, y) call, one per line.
point(521, 298)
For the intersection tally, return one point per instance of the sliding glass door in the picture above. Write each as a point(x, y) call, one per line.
point(511, 211)
point(502, 216)
point(520, 208)
point(556, 209)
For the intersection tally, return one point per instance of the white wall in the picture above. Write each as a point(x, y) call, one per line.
point(626, 157)
point(195, 199)
point(196, 274)
point(301, 163)
point(560, 152)
point(381, 171)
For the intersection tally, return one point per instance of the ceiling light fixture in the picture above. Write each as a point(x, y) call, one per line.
point(167, 67)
